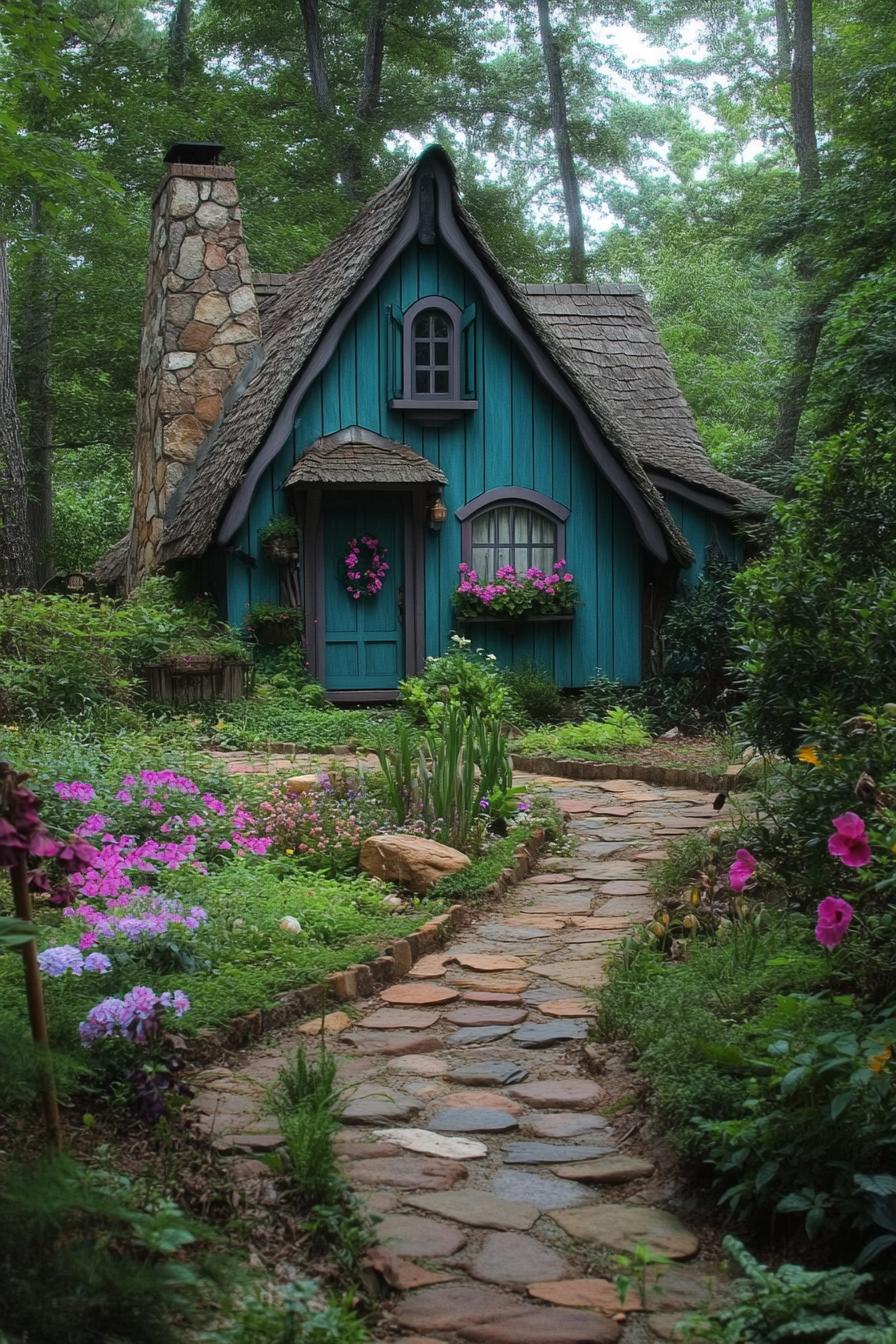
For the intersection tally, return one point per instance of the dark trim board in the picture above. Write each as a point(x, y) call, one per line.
point(668, 485)
point(368, 697)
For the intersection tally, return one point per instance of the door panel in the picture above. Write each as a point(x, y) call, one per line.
point(363, 640)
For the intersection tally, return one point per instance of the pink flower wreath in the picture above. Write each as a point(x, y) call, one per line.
point(365, 572)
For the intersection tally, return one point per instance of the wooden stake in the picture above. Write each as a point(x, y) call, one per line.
point(35, 996)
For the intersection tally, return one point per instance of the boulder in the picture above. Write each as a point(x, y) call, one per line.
point(302, 783)
point(410, 860)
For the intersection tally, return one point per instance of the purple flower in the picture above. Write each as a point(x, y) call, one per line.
point(849, 843)
point(177, 1000)
point(834, 918)
point(75, 792)
point(741, 870)
point(97, 961)
point(56, 961)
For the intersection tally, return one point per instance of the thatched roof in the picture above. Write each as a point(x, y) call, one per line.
point(109, 570)
point(357, 457)
point(610, 334)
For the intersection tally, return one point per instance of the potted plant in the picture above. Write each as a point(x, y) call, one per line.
point(280, 539)
point(273, 624)
point(534, 596)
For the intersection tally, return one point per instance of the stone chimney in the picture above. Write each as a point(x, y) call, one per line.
point(200, 326)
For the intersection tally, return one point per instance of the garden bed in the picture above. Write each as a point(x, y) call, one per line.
point(693, 762)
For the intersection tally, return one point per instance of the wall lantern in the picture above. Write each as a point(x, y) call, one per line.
point(436, 514)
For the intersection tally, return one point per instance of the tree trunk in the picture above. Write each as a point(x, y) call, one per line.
point(179, 44)
point(16, 568)
point(782, 32)
point(357, 146)
point(572, 198)
point(317, 65)
point(37, 330)
point(810, 322)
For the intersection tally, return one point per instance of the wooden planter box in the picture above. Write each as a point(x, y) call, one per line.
point(180, 686)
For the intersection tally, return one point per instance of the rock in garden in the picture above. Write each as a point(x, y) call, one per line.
point(473, 1120)
point(613, 1169)
point(542, 1035)
point(574, 1094)
point(565, 1125)
point(435, 1145)
point(373, 1104)
point(485, 1015)
point(398, 1019)
point(476, 1035)
point(302, 783)
point(410, 860)
point(490, 1073)
point(570, 1154)
point(623, 1227)
point(411, 1234)
point(593, 1294)
point(418, 996)
point(546, 1192)
point(408, 1171)
point(515, 1258)
point(478, 1208)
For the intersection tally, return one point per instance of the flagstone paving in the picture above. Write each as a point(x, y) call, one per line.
point(476, 1133)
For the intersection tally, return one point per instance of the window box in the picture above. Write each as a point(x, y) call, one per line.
point(533, 618)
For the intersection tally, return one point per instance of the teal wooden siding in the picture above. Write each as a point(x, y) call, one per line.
point(519, 436)
point(703, 530)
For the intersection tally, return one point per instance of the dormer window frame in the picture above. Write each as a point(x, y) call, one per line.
point(432, 407)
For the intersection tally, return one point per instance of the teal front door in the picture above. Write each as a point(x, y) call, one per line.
point(363, 638)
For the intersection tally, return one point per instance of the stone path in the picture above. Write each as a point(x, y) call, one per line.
point(474, 1129)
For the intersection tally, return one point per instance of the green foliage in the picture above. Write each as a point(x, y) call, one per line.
point(535, 697)
point(296, 1313)
point(586, 741)
point(793, 1303)
point(308, 1106)
point(62, 656)
point(457, 678)
point(803, 1093)
point(95, 1256)
point(817, 616)
point(453, 779)
point(281, 527)
point(485, 868)
point(687, 1018)
point(672, 876)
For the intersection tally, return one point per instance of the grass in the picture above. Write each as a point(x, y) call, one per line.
point(684, 1017)
point(468, 883)
point(589, 740)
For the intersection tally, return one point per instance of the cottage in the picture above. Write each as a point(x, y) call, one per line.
point(414, 410)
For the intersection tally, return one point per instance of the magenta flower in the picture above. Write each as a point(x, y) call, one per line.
point(849, 843)
point(834, 918)
point(741, 870)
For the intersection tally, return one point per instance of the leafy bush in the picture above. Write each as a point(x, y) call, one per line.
point(534, 695)
point(298, 1313)
point(92, 1256)
point(589, 740)
point(459, 677)
point(60, 656)
point(817, 616)
point(793, 1303)
point(686, 1017)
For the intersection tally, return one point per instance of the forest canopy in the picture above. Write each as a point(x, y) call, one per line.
point(736, 161)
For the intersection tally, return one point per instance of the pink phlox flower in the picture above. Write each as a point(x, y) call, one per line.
point(741, 870)
point(76, 792)
point(834, 918)
point(849, 843)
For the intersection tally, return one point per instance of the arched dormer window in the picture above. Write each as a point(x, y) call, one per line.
point(512, 526)
point(431, 350)
point(436, 338)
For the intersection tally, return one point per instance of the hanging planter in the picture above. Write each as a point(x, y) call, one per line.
point(280, 540)
point(275, 625)
point(366, 567)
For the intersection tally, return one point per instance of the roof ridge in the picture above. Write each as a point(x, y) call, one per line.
point(610, 288)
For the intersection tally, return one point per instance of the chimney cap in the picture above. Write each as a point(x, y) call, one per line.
point(193, 152)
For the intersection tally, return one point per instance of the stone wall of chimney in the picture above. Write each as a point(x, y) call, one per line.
point(200, 325)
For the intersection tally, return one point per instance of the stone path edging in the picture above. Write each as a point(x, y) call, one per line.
point(362, 979)
point(473, 1130)
point(666, 776)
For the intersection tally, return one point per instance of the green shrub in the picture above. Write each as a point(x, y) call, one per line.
point(683, 1017)
point(821, 1072)
point(816, 617)
point(459, 677)
point(534, 695)
point(297, 1313)
point(64, 656)
point(87, 1255)
point(793, 1303)
point(590, 739)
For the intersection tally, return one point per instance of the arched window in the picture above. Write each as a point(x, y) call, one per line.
point(512, 526)
point(431, 350)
